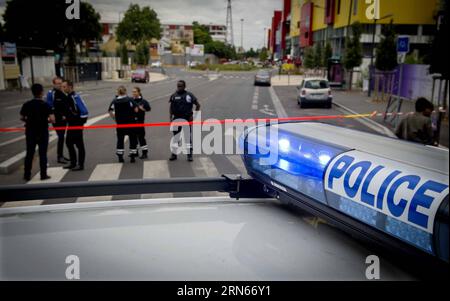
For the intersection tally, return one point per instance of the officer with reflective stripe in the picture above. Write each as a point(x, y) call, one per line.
point(123, 110)
point(143, 107)
point(56, 100)
point(181, 108)
point(77, 115)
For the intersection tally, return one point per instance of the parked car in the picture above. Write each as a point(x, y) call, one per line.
point(156, 64)
point(263, 77)
point(194, 64)
point(140, 75)
point(315, 91)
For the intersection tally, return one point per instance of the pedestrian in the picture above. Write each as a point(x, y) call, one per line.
point(417, 126)
point(77, 115)
point(181, 107)
point(36, 114)
point(143, 107)
point(123, 110)
point(57, 101)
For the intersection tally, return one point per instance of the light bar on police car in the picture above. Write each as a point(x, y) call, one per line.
point(393, 186)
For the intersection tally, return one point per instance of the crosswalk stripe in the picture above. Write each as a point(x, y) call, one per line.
point(205, 167)
point(103, 172)
point(236, 160)
point(56, 174)
point(156, 170)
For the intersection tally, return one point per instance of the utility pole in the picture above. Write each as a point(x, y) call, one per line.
point(229, 38)
point(242, 35)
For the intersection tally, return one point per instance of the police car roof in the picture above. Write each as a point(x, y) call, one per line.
point(427, 157)
point(178, 239)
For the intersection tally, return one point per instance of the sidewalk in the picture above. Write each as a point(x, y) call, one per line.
point(357, 102)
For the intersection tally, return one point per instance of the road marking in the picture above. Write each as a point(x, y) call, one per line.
point(205, 167)
point(102, 172)
point(237, 162)
point(156, 170)
point(6, 165)
point(281, 112)
point(367, 122)
point(12, 141)
point(255, 99)
point(56, 174)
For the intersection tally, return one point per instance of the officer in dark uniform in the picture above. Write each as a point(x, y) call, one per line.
point(181, 107)
point(123, 110)
point(57, 102)
point(77, 115)
point(36, 114)
point(143, 106)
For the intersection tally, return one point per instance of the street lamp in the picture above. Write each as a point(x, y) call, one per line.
point(375, 20)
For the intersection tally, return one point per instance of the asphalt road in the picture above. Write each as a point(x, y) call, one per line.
point(230, 96)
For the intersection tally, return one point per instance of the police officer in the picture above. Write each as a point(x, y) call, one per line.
point(123, 110)
point(143, 107)
point(181, 107)
point(77, 115)
point(36, 114)
point(57, 102)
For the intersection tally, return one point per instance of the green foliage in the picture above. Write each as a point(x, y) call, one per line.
point(138, 25)
point(220, 67)
point(123, 51)
point(386, 54)
point(142, 54)
point(221, 50)
point(439, 58)
point(251, 53)
point(308, 61)
point(318, 60)
point(26, 24)
point(263, 55)
point(353, 49)
point(327, 54)
point(411, 59)
point(201, 34)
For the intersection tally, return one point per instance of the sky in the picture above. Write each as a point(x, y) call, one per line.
point(257, 14)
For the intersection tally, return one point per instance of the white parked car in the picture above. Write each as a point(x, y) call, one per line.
point(315, 91)
point(156, 64)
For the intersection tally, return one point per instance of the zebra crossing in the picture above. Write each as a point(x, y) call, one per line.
point(220, 76)
point(202, 167)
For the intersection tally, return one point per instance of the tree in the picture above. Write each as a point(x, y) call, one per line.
point(263, 55)
point(353, 51)
point(440, 48)
point(308, 61)
point(201, 34)
point(318, 60)
point(43, 25)
point(386, 54)
point(123, 51)
point(221, 50)
point(327, 54)
point(142, 54)
point(138, 25)
point(251, 53)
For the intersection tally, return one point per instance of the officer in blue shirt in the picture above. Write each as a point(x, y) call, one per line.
point(77, 115)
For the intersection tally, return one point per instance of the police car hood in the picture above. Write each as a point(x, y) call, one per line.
point(178, 239)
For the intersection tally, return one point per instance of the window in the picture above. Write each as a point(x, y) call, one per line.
point(355, 7)
point(339, 7)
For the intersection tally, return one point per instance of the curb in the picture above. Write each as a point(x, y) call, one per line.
point(369, 122)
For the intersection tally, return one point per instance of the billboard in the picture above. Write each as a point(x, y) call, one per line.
point(197, 50)
point(9, 50)
point(306, 33)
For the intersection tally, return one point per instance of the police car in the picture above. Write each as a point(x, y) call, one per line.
point(330, 200)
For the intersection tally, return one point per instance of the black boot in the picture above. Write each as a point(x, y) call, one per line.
point(121, 160)
point(190, 158)
point(173, 157)
point(62, 160)
point(144, 155)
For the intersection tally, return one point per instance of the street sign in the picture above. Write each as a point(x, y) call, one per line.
point(403, 44)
